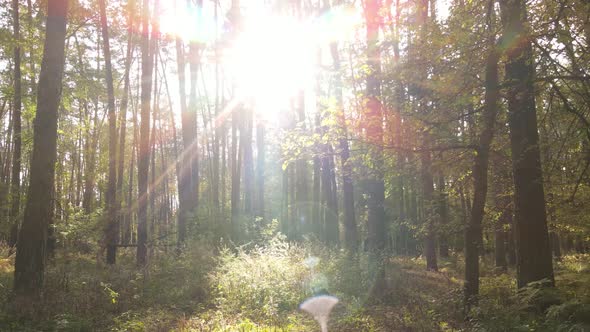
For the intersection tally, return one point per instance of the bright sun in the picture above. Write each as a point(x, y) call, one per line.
point(273, 57)
point(272, 60)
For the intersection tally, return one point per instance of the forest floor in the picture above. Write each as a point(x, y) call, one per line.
point(259, 289)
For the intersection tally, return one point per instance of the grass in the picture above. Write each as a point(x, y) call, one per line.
point(259, 289)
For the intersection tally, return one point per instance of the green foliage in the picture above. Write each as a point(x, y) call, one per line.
point(535, 307)
point(263, 283)
point(80, 231)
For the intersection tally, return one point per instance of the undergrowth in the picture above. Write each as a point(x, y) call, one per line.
point(259, 287)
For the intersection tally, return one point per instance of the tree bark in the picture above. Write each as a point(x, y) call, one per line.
point(374, 128)
point(260, 160)
point(143, 159)
point(183, 168)
point(16, 130)
point(246, 144)
point(443, 213)
point(122, 214)
point(534, 261)
point(30, 256)
point(112, 222)
point(350, 229)
point(473, 231)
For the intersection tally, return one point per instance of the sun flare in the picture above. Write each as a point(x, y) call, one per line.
point(271, 60)
point(272, 57)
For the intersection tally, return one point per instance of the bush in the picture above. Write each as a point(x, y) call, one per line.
point(262, 284)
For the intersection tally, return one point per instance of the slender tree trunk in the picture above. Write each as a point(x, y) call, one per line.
point(129, 213)
point(285, 202)
point(91, 143)
point(153, 193)
point(30, 256)
point(235, 176)
point(112, 223)
point(374, 115)
point(443, 213)
point(246, 139)
point(350, 229)
point(317, 222)
point(183, 168)
point(260, 170)
point(302, 208)
point(425, 155)
point(16, 125)
point(500, 235)
point(473, 231)
point(553, 235)
point(427, 197)
point(30, 36)
point(122, 215)
point(532, 238)
point(189, 173)
point(144, 140)
point(332, 233)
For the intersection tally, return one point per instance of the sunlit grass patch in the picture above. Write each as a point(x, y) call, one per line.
point(262, 284)
point(578, 263)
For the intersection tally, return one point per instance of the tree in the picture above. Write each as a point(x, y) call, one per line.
point(189, 171)
point(124, 216)
point(32, 239)
point(426, 155)
point(112, 223)
point(16, 131)
point(374, 115)
point(533, 248)
point(144, 136)
point(350, 229)
point(473, 232)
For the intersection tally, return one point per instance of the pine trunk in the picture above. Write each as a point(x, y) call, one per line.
point(30, 256)
point(533, 248)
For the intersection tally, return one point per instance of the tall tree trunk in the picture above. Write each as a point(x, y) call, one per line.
point(317, 223)
point(153, 193)
point(302, 209)
point(189, 172)
point(375, 185)
point(246, 144)
point(30, 256)
point(30, 36)
point(183, 168)
point(500, 235)
point(473, 231)
point(260, 160)
point(350, 229)
point(427, 197)
point(532, 238)
point(122, 215)
point(112, 223)
point(510, 238)
point(374, 115)
point(91, 145)
point(553, 235)
point(16, 130)
point(129, 213)
point(425, 156)
point(443, 212)
point(235, 178)
point(143, 159)
point(330, 216)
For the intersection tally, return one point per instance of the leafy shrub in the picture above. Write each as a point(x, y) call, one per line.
point(572, 311)
point(262, 284)
point(537, 296)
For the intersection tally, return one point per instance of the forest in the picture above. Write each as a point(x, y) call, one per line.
point(295, 165)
